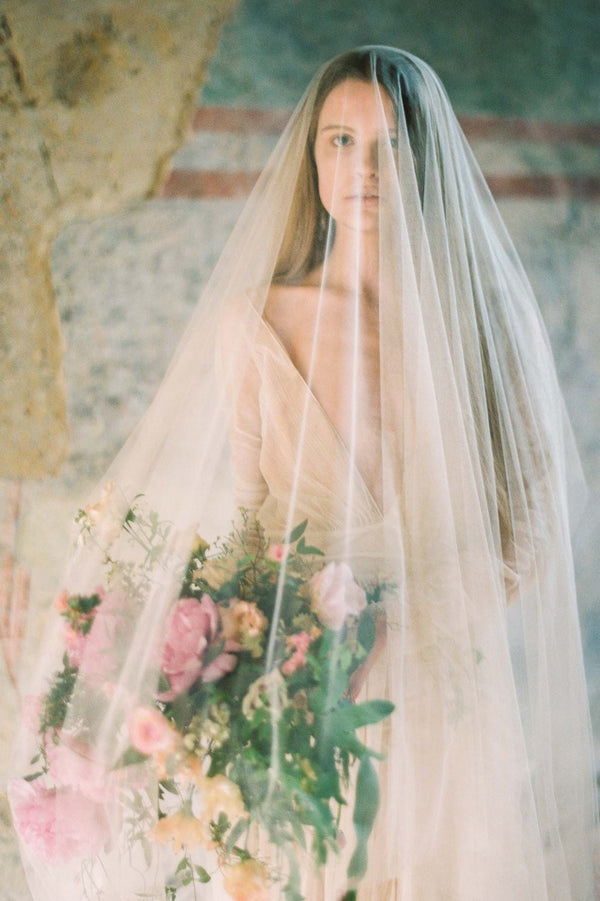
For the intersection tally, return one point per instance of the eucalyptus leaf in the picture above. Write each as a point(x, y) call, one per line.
point(354, 716)
point(235, 833)
point(297, 532)
point(366, 631)
point(365, 811)
point(130, 757)
point(201, 874)
point(308, 550)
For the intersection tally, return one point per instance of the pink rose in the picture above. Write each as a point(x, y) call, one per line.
point(277, 552)
point(58, 824)
point(150, 731)
point(335, 595)
point(298, 644)
point(191, 628)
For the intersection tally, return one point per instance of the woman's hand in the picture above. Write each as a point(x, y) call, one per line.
point(359, 676)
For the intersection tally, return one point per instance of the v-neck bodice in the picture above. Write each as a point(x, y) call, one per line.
point(307, 469)
point(311, 409)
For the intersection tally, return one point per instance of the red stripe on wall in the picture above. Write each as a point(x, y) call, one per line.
point(273, 121)
point(214, 183)
point(203, 183)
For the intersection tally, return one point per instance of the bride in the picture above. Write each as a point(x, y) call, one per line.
point(368, 357)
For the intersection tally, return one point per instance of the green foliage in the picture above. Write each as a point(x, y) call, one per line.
point(56, 702)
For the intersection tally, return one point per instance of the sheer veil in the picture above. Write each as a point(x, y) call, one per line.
point(367, 357)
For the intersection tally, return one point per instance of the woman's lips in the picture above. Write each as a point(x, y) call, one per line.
point(365, 196)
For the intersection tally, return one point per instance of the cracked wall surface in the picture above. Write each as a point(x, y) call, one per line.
point(94, 99)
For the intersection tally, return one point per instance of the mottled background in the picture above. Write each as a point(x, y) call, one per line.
point(125, 275)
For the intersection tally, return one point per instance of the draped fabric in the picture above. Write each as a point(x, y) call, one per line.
point(368, 356)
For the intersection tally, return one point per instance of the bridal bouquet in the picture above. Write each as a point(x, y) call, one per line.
point(245, 749)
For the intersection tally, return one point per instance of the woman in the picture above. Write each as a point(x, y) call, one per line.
point(382, 374)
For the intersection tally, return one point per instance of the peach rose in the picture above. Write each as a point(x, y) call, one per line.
point(247, 881)
point(244, 625)
point(182, 830)
point(220, 795)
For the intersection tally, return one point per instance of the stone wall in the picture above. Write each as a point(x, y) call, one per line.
point(95, 97)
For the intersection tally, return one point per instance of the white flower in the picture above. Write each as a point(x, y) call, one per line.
point(104, 517)
point(335, 595)
point(265, 690)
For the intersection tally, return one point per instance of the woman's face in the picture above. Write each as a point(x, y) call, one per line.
point(355, 117)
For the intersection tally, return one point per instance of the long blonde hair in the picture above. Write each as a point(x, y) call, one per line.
point(309, 233)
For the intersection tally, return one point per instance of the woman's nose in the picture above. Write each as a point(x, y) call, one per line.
point(368, 162)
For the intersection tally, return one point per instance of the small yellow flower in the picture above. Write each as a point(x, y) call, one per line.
point(306, 767)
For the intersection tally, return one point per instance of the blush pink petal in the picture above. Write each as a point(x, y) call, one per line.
point(219, 667)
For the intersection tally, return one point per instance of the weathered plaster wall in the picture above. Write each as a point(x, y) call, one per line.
point(94, 98)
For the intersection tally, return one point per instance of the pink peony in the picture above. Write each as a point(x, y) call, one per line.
point(150, 731)
point(298, 644)
point(335, 595)
point(58, 824)
point(73, 765)
point(191, 629)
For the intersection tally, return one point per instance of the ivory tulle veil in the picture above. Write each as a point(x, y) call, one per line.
point(367, 375)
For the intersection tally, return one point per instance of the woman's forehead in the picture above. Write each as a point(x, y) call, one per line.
point(357, 104)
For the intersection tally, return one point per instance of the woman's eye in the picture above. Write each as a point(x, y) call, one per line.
point(342, 140)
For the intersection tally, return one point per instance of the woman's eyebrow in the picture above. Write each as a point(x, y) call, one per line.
point(392, 130)
point(337, 128)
